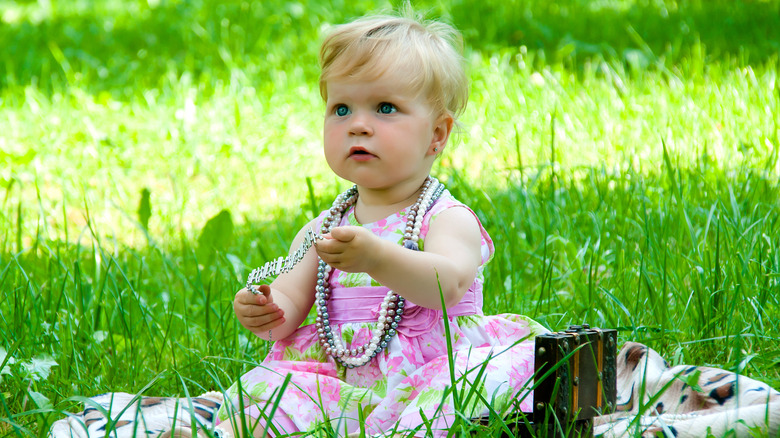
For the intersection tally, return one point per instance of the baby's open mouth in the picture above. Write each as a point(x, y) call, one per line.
point(358, 151)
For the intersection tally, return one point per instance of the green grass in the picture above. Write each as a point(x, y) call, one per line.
point(209, 105)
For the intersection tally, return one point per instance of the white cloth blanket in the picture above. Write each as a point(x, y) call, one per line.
point(137, 416)
point(652, 400)
point(655, 400)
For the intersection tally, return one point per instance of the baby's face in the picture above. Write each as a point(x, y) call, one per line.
point(378, 133)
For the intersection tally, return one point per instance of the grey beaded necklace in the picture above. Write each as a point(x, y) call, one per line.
point(392, 307)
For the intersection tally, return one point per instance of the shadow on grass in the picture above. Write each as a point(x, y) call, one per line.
point(746, 30)
point(127, 48)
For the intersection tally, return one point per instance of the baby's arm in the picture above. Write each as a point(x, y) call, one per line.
point(451, 258)
point(283, 306)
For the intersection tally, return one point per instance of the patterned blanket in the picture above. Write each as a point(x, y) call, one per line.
point(653, 400)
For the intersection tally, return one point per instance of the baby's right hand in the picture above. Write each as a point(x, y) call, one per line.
point(257, 312)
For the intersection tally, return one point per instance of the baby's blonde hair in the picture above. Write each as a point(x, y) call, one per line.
point(427, 52)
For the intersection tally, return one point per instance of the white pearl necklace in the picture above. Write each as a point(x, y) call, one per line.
point(392, 307)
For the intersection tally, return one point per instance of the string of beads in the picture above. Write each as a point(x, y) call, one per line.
point(392, 306)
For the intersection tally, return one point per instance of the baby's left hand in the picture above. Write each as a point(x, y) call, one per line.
point(350, 248)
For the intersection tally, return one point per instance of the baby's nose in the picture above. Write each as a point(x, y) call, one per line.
point(360, 125)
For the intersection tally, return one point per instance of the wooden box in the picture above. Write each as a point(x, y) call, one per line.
point(575, 381)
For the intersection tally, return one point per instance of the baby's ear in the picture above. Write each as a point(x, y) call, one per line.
point(442, 128)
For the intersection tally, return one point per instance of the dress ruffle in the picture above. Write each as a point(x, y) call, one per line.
point(494, 353)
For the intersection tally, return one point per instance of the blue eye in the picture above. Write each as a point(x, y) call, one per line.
point(342, 110)
point(386, 108)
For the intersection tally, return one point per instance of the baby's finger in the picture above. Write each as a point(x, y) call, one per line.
point(261, 294)
point(245, 296)
point(269, 326)
point(260, 323)
point(248, 297)
point(252, 310)
point(264, 290)
point(343, 234)
point(331, 259)
point(330, 246)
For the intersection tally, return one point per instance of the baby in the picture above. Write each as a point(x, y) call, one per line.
point(396, 252)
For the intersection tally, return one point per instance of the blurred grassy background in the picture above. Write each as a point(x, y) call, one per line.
point(128, 47)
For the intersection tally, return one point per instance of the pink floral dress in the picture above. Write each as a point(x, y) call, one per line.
point(407, 387)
